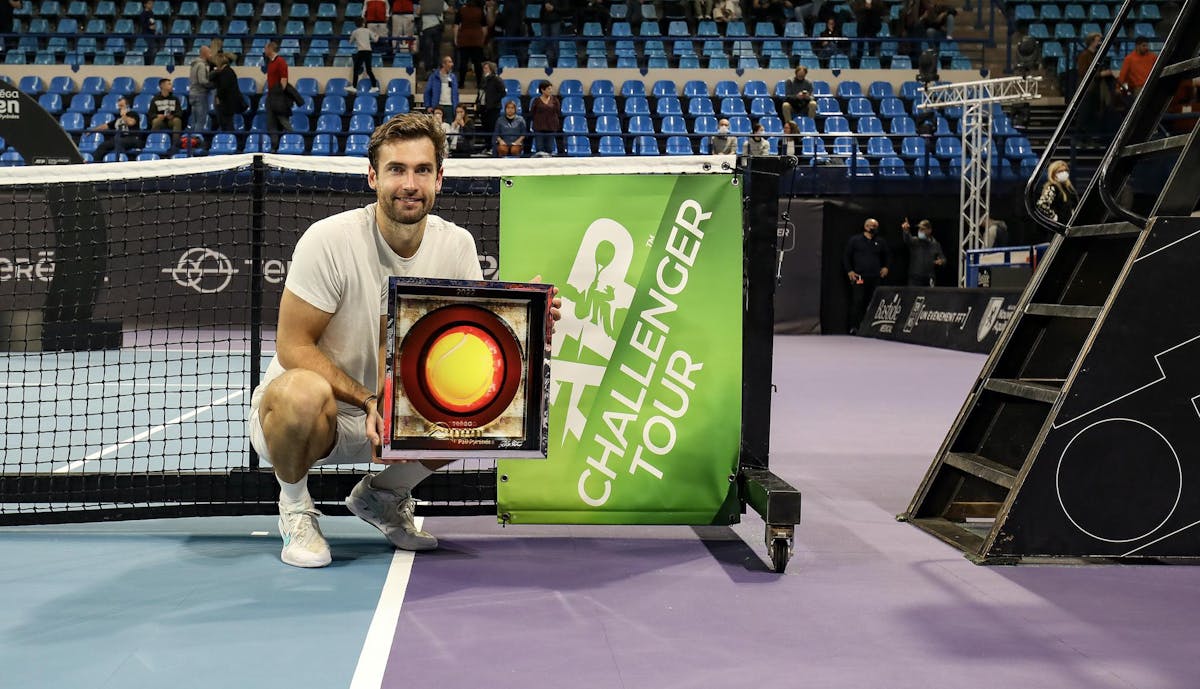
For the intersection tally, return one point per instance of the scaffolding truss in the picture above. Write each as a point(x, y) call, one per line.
point(976, 99)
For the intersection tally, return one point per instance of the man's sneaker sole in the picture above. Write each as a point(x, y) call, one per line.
point(312, 562)
point(421, 545)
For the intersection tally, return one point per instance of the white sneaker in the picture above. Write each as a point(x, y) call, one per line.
point(374, 89)
point(390, 512)
point(351, 89)
point(303, 543)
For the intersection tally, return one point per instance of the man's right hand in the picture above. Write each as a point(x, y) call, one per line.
point(854, 277)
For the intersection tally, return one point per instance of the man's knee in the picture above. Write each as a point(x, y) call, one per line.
point(299, 399)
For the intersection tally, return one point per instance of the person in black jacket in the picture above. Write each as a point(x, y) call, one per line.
point(866, 263)
point(924, 254)
point(165, 111)
point(489, 97)
point(229, 98)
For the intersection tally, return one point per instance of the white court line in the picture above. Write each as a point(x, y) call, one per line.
point(146, 434)
point(1160, 538)
point(377, 647)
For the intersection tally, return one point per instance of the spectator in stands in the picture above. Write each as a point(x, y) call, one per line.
point(703, 9)
point(1058, 199)
point(489, 96)
point(7, 9)
point(1183, 108)
point(433, 15)
point(404, 24)
point(491, 10)
point(1097, 101)
point(814, 13)
point(147, 25)
point(790, 142)
point(770, 11)
point(797, 93)
point(995, 233)
point(757, 144)
point(1135, 69)
point(510, 132)
point(511, 25)
point(318, 401)
point(545, 120)
point(866, 264)
point(828, 48)
point(552, 21)
point(870, 15)
point(199, 88)
point(725, 11)
point(441, 91)
point(279, 103)
point(446, 131)
point(938, 19)
point(460, 131)
point(924, 254)
point(722, 143)
point(122, 127)
point(229, 100)
point(165, 111)
point(597, 11)
point(375, 17)
point(470, 34)
point(362, 37)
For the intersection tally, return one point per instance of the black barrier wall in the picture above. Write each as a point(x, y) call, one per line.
point(969, 320)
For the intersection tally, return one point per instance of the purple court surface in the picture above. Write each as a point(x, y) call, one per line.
point(866, 602)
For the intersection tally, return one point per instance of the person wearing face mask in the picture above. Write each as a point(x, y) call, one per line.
point(924, 254)
point(757, 144)
point(722, 142)
point(1058, 198)
point(866, 263)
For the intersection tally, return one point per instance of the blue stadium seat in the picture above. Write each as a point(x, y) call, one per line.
point(84, 103)
point(573, 105)
point(763, 106)
point(732, 106)
point(299, 122)
point(636, 106)
point(365, 104)
point(870, 125)
point(880, 146)
point(90, 141)
point(604, 105)
point(859, 107)
point(837, 125)
point(646, 146)
point(694, 88)
point(223, 143)
point(903, 125)
point(601, 87)
point(61, 85)
point(578, 146)
point(673, 124)
point(72, 122)
point(849, 89)
point(361, 124)
point(641, 124)
point(324, 145)
point(828, 107)
point(901, 62)
point(611, 146)
point(31, 85)
point(726, 89)
point(700, 106)
point(633, 87)
point(291, 144)
point(667, 106)
point(663, 88)
point(1018, 147)
point(608, 124)
point(333, 105)
point(947, 148)
point(575, 124)
point(704, 125)
point(257, 143)
point(329, 124)
point(157, 143)
point(395, 105)
point(679, 146)
point(891, 166)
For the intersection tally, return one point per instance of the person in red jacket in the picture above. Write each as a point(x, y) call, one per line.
point(1135, 69)
point(404, 23)
point(375, 14)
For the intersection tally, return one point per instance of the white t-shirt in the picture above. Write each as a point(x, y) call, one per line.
point(361, 38)
point(341, 265)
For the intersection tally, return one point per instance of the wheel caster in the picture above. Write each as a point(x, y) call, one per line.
point(779, 547)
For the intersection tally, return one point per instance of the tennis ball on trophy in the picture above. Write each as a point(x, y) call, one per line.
point(464, 369)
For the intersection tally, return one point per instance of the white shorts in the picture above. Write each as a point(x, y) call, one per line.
point(350, 447)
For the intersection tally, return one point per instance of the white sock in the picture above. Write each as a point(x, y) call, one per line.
point(293, 492)
point(400, 477)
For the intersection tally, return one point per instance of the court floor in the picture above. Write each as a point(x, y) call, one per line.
point(866, 601)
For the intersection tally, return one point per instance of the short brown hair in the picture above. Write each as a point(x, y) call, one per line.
point(407, 127)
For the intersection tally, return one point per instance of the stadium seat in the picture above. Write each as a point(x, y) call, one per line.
point(329, 124)
point(679, 146)
point(89, 141)
point(640, 124)
point(891, 166)
point(365, 104)
point(858, 107)
point(575, 124)
point(333, 105)
point(291, 144)
point(732, 106)
point(695, 88)
point(356, 145)
point(51, 102)
point(646, 146)
point(395, 105)
point(299, 122)
point(361, 124)
point(633, 87)
point(324, 145)
point(668, 106)
point(947, 148)
point(157, 143)
point(223, 143)
point(879, 147)
point(726, 89)
point(608, 124)
point(611, 146)
point(604, 105)
point(578, 146)
point(601, 87)
point(636, 106)
point(31, 85)
point(72, 122)
point(837, 125)
point(870, 125)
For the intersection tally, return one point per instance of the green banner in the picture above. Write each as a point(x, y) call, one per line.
point(645, 392)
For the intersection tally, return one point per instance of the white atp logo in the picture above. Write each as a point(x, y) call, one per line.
point(203, 269)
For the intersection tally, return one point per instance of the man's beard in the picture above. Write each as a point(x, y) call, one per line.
point(403, 216)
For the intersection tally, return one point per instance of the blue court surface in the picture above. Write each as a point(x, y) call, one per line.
point(865, 602)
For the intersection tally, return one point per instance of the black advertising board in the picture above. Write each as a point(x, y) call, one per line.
point(969, 320)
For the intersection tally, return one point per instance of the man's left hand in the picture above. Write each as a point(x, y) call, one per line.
point(883, 273)
point(555, 303)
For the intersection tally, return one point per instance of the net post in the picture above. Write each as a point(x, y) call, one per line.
point(258, 194)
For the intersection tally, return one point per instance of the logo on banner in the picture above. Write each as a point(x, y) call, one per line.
point(10, 104)
point(203, 270)
point(886, 314)
point(914, 316)
point(995, 317)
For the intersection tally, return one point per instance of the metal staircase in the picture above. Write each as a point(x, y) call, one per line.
point(1081, 437)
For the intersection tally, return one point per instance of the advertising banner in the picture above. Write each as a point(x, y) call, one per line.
point(645, 386)
point(969, 320)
